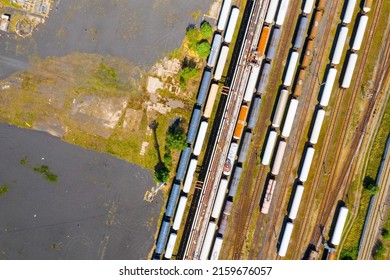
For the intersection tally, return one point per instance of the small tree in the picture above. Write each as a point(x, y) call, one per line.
point(206, 30)
point(203, 49)
point(162, 174)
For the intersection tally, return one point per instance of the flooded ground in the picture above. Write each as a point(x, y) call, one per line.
point(141, 31)
point(95, 209)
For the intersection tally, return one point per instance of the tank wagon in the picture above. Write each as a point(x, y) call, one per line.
point(263, 41)
point(268, 196)
point(330, 78)
point(292, 109)
point(314, 27)
point(296, 201)
point(280, 108)
point(207, 241)
point(290, 69)
point(204, 87)
point(273, 44)
point(263, 81)
point(299, 84)
point(231, 25)
point(349, 70)
point(214, 51)
point(367, 6)
point(245, 147)
point(210, 101)
point(224, 14)
point(175, 191)
point(184, 158)
point(226, 212)
point(307, 54)
point(306, 164)
point(357, 42)
point(349, 12)
point(308, 6)
point(200, 138)
point(338, 230)
point(269, 147)
point(282, 12)
point(338, 50)
point(240, 122)
point(236, 179)
point(193, 126)
point(298, 42)
point(227, 168)
point(315, 132)
point(285, 239)
point(321, 5)
point(179, 212)
point(271, 12)
point(170, 245)
point(278, 157)
point(218, 203)
point(190, 175)
point(250, 88)
point(216, 248)
point(221, 63)
point(255, 108)
point(162, 237)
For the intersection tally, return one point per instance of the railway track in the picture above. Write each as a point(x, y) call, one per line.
point(383, 181)
point(382, 79)
point(337, 186)
point(251, 191)
point(374, 220)
point(221, 148)
point(297, 134)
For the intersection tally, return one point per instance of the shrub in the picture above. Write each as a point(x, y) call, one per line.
point(186, 74)
point(203, 49)
point(3, 189)
point(380, 251)
point(192, 36)
point(385, 234)
point(372, 189)
point(176, 140)
point(167, 157)
point(206, 30)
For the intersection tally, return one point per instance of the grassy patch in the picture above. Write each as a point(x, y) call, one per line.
point(378, 146)
point(47, 174)
point(350, 247)
point(9, 3)
point(195, 15)
point(4, 189)
point(23, 161)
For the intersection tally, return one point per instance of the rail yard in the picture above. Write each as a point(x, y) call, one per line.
point(291, 128)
